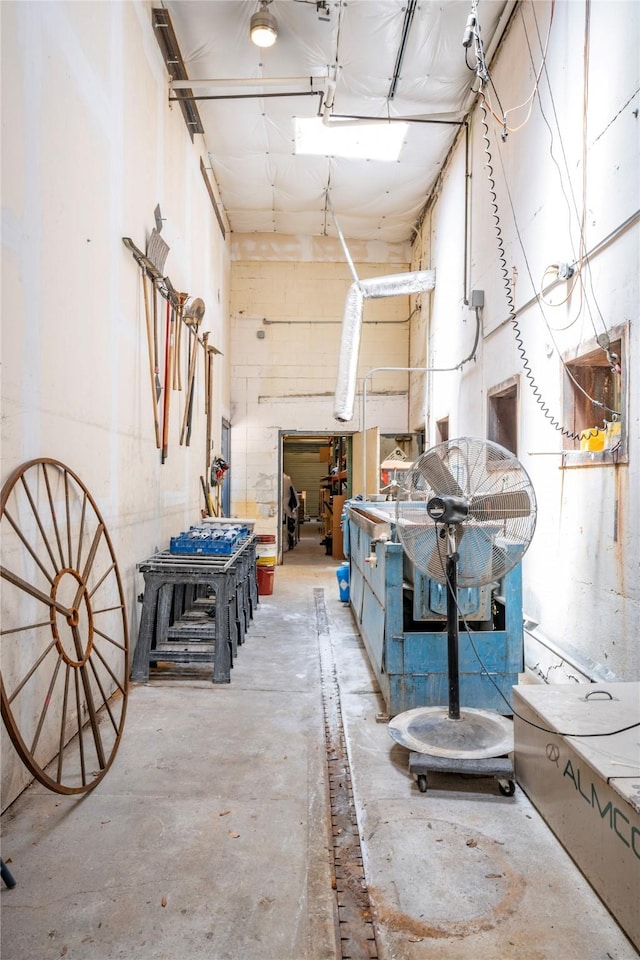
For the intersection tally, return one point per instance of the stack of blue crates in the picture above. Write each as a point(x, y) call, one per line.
point(208, 539)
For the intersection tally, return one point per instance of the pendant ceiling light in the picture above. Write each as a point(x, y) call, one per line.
point(264, 26)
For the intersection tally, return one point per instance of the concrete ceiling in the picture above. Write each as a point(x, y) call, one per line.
point(389, 60)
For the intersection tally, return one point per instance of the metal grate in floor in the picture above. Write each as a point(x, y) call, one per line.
point(357, 935)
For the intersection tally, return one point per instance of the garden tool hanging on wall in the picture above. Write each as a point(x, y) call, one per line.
point(157, 251)
point(148, 272)
point(151, 347)
point(177, 355)
point(209, 355)
point(219, 467)
point(193, 318)
point(156, 352)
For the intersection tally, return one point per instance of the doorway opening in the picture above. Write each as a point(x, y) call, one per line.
point(318, 468)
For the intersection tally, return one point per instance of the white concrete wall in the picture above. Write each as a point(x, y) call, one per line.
point(293, 290)
point(582, 572)
point(90, 145)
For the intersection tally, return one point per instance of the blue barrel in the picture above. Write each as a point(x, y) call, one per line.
point(342, 573)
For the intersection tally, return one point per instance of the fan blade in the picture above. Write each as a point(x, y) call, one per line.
point(501, 506)
point(417, 540)
point(437, 475)
point(437, 565)
point(481, 559)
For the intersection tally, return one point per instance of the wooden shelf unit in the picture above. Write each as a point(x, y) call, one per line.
point(333, 493)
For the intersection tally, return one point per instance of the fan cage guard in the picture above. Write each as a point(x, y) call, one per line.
point(496, 532)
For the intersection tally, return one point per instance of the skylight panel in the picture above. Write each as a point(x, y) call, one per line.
point(346, 138)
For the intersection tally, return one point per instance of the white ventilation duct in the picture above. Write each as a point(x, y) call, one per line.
point(399, 284)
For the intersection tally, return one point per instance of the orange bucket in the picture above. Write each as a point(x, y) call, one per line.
point(265, 572)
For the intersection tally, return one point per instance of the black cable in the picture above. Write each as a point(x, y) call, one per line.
point(555, 423)
point(596, 403)
point(485, 77)
point(466, 60)
point(609, 733)
point(512, 709)
point(580, 259)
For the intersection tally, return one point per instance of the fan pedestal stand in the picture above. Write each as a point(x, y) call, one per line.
point(452, 740)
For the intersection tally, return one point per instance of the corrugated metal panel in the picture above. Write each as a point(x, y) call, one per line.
point(302, 463)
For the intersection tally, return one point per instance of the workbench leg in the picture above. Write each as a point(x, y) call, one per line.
point(140, 668)
point(164, 610)
point(179, 606)
point(233, 629)
point(222, 652)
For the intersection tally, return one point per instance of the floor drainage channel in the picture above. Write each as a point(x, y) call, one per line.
point(357, 937)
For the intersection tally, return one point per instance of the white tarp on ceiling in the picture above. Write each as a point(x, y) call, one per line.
point(264, 185)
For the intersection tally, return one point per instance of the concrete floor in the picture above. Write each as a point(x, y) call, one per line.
point(210, 835)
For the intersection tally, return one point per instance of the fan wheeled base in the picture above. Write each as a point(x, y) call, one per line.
point(476, 735)
point(421, 765)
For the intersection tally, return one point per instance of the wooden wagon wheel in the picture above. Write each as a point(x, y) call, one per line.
point(64, 637)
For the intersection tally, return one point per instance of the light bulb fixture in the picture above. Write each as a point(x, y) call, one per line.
point(264, 26)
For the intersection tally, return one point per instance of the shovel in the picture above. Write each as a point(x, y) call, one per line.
point(168, 360)
point(193, 317)
point(150, 346)
point(156, 360)
point(177, 358)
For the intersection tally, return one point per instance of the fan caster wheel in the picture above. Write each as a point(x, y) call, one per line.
point(507, 787)
point(422, 783)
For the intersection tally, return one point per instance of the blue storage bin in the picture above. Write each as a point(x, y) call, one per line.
point(342, 573)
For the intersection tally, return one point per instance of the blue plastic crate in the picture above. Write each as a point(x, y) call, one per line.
point(208, 540)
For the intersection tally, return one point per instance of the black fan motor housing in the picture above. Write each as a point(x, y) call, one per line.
point(448, 509)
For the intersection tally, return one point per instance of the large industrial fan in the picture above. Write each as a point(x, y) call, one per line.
point(465, 516)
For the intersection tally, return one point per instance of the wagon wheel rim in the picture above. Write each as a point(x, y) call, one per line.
point(64, 637)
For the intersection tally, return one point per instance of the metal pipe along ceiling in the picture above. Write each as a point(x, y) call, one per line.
point(400, 284)
point(406, 27)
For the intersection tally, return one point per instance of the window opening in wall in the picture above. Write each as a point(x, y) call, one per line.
point(502, 419)
point(594, 399)
point(442, 430)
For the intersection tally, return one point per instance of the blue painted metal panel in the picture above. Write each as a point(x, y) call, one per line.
point(430, 600)
point(411, 665)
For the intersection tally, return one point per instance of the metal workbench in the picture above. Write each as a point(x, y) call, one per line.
point(401, 616)
point(196, 609)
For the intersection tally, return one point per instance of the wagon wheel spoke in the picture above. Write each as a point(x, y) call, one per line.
point(68, 674)
point(54, 516)
point(33, 591)
point(30, 549)
point(90, 705)
point(89, 563)
point(38, 519)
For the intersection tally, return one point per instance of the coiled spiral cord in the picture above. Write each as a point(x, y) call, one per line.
point(555, 423)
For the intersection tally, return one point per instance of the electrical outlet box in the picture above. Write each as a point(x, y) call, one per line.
point(477, 299)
